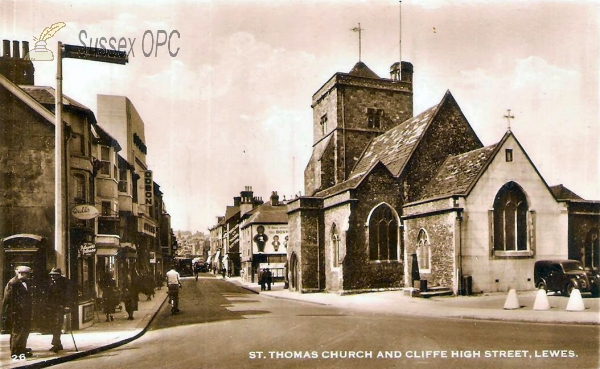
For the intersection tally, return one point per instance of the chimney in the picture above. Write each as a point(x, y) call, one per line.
point(18, 70)
point(407, 72)
point(16, 52)
point(237, 201)
point(395, 72)
point(25, 48)
point(274, 198)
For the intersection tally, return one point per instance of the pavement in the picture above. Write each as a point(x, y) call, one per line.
point(106, 335)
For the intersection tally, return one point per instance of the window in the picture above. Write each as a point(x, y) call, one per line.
point(509, 155)
point(76, 144)
point(383, 234)
point(123, 184)
point(335, 243)
point(324, 124)
point(105, 159)
point(80, 192)
point(106, 208)
point(510, 219)
point(374, 117)
point(423, 252)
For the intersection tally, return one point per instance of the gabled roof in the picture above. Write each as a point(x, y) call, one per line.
point(360, 69)
point(560, 192)
point(394, 147)
point(45, 95)
point(27, 99)
point(230, 212)
point(458, 172)
point(268, 214)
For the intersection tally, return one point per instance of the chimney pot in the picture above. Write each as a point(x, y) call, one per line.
point(25, 48)
point(6, 48)
point(16, 52)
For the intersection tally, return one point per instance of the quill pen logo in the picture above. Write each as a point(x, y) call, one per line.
point(40, 52)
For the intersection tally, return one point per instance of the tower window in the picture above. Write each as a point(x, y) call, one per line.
point(374, 117)
point(324, 124)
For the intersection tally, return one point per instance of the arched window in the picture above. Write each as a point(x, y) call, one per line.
point(383, 234)
point(335, 243)
point(423, 251)
point(510, 219)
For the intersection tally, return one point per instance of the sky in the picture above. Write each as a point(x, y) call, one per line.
point(226, 101)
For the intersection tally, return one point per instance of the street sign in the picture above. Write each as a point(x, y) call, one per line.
point(84, 212)
point(95, 54)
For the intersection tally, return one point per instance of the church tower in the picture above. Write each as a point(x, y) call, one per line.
point(348, 111)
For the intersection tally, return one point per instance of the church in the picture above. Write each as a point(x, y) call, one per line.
point(393, 199)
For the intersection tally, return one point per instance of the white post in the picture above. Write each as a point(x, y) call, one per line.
point(59, 244)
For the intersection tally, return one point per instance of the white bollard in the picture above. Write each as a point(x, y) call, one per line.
point(541, 300)
point(575, 301)
point(512, 301)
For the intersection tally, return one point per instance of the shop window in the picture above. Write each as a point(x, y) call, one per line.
point(383, 234)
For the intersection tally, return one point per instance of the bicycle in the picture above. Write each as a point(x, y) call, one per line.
point(173, 291)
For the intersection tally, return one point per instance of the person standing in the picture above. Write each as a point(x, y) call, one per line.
point(110, 297)
point(269, 276)
point(60, 296)
point(129, 295)
point(16, 310)
point(261, 279)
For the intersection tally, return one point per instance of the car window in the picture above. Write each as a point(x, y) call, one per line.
point(574, 265)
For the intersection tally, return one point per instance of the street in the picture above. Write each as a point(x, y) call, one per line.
point(224, 326)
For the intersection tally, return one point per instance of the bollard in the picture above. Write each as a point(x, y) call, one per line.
point(575, 301)
point(541, 300)
point(512, 302)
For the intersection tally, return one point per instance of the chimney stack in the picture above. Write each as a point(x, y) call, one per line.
point(274, 198)
point(18, 70)
point(25, 48)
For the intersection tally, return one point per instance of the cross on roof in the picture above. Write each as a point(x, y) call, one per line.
point(508, 118)
point(359, 30)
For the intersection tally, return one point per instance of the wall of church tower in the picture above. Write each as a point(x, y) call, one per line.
point(348, 111)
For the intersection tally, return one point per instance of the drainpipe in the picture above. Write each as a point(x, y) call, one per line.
point(459, 231)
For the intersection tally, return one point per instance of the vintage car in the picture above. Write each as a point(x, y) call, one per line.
point(565, 275)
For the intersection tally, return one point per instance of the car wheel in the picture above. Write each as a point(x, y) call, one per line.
point(569, 288)
point(541, 284)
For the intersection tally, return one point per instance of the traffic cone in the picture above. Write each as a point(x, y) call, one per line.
point(575, 301)
point(512, 302)
point(541, 300)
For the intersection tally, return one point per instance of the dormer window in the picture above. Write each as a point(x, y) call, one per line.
point(374, 117)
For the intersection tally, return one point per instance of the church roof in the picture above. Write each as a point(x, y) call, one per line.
point(394, 147)
point(458, 173)
point(360, 69)
point(560, 192)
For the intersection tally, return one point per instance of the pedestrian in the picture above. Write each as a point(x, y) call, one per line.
point(261, 279)
point(17, 311)
point(269, 277)
point(129, 296)
point(148, 284)
point(223, 271)
point(60, 298)
point(110, 296)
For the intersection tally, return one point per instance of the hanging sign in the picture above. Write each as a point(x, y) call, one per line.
point(84, 212)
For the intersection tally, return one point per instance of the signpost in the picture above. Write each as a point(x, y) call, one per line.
point(60, 187)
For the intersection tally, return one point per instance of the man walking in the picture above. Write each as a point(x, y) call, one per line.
point(59, 298)
point(173, 286)
point(16, 310)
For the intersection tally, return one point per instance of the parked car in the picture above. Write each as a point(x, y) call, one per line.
point(565, 275)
